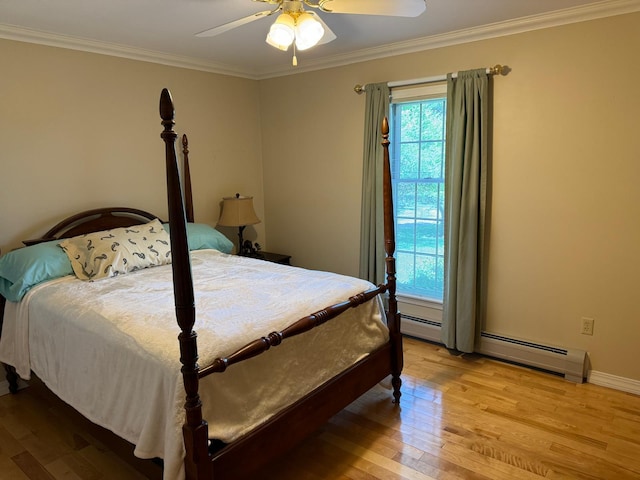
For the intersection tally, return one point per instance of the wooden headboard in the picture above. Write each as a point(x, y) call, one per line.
point(94, 221)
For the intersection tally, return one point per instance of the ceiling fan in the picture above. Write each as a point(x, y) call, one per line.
point(305, 29)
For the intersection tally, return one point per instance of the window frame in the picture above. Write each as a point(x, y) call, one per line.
point(416, 93)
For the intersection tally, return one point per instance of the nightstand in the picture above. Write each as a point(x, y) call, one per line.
point(272, 257)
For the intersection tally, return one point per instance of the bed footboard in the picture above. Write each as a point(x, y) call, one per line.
point(300, 420)
point(303, 417)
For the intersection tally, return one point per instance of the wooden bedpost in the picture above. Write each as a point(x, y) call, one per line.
point(195, 429)
point(390, 247)
point(187, 179)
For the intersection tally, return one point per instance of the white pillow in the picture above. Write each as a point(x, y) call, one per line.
point(117, 251)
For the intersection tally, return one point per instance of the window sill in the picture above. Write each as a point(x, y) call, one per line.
point(419, 301)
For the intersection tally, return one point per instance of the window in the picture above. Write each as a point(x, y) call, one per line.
point(418, 130)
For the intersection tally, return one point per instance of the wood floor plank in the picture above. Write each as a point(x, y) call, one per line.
point(61, 470)
point(10, 470)
point(461, 417)
point(384, 467)
point(108, 464)
point(605, 466)
point(31, 467)
point(9, 446)
point(556, 426)
point(440, 468)
point(74, 465)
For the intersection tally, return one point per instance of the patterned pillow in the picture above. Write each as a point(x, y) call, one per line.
point(121, 250)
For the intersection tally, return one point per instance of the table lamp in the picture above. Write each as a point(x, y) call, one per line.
point(238, 212)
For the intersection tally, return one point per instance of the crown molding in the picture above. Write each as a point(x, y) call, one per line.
point(605, 8)
point(21, 34)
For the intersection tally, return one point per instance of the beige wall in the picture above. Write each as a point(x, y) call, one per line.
point(82, 131)
point(565, 207)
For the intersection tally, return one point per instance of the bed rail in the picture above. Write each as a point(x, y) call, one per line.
point(305, 324)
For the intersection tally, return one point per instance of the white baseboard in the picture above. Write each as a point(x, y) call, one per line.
point(612, 381)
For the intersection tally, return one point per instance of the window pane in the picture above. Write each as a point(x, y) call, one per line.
point(431, 159)
point(427, 201)
point(433, 117)
point(409, 160)
point(405, 235)
point(404, 267)
point(426, 276)
point(410, 121)
point(426, 237)
point(405, 200)
point(418, 181)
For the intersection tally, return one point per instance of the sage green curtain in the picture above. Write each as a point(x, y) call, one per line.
point(465, 200)
point(372, 253)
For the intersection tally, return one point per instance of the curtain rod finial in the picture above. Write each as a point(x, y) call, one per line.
point(499, 70)
point(359, 89)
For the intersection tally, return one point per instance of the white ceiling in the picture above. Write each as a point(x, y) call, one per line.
point(163, 30)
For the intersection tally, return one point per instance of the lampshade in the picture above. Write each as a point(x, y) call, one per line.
point(237, 212)
point(308, 31)
point(302, 27)
point(282, 32)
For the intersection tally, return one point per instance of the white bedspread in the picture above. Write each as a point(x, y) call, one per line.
point(109, 348)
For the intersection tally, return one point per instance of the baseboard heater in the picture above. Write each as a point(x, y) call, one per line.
point(570, 363)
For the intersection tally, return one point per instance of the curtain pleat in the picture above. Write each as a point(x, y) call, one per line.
point(372, 253)
point(465, 203)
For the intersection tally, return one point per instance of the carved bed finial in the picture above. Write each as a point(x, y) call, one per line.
point(167, 114)
point(166, 106)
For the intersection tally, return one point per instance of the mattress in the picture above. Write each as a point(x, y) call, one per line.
point(109, 348)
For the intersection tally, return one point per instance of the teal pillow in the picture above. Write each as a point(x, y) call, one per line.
point(201, 236)
point(26, 267)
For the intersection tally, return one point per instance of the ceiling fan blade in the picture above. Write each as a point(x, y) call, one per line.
point(328, 34)
point(236, 23)
point(391, 8)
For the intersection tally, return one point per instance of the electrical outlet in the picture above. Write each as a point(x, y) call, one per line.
point(587, 326)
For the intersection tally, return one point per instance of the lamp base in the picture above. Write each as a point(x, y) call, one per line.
point(240, 239)
point(249, 250)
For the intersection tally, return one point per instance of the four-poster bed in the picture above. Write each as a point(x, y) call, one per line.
point(301, 368)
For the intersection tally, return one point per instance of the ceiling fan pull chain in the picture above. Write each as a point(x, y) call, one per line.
point(295, 59)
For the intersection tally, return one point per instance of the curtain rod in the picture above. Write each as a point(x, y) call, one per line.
point(495, 70)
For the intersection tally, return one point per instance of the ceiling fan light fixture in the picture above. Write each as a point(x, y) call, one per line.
point(282, 32)
point(308, 31)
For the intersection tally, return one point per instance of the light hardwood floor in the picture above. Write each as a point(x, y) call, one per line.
point(466, 417)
